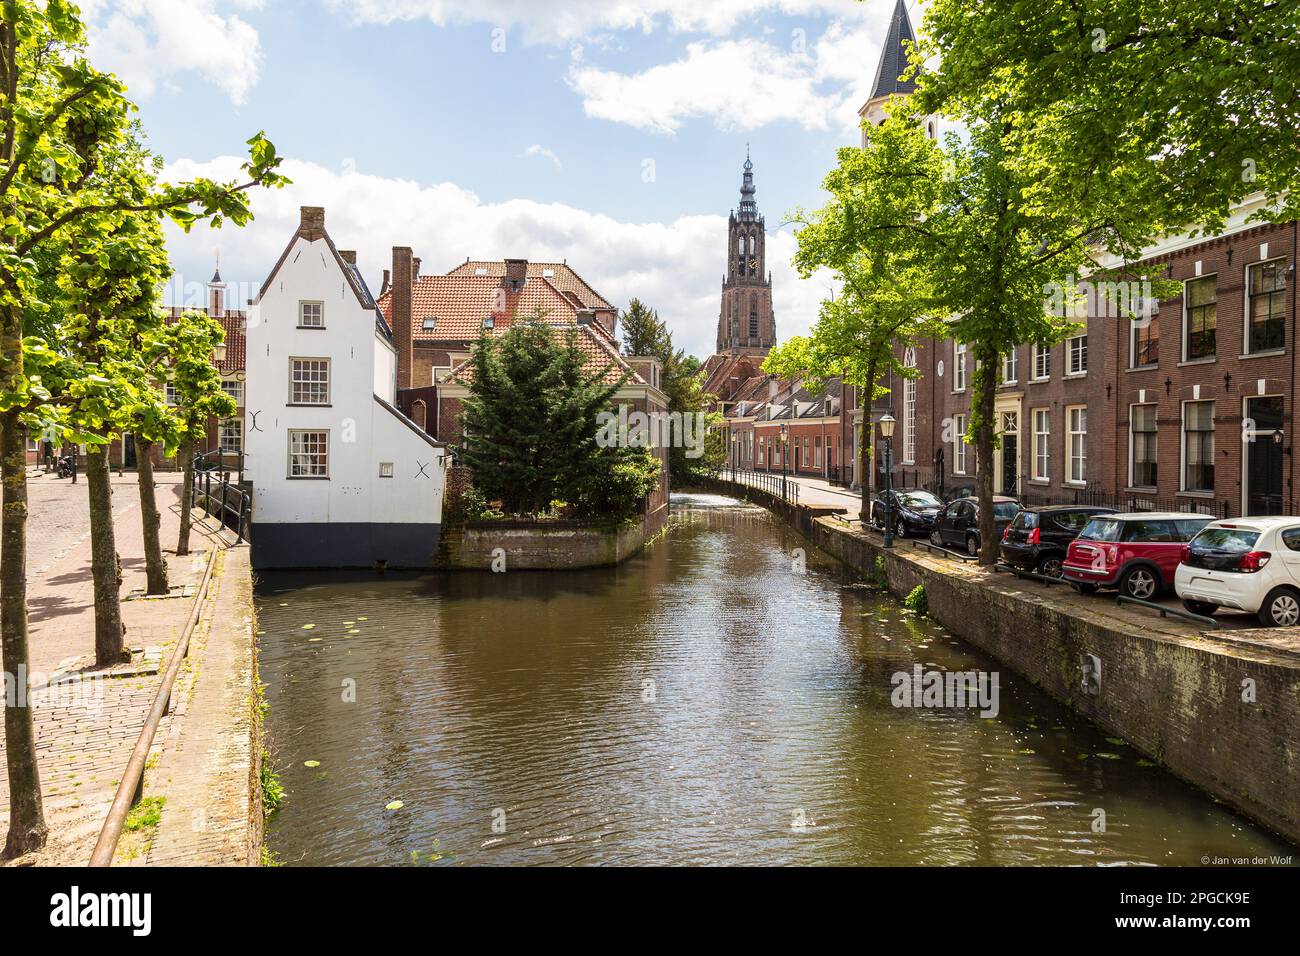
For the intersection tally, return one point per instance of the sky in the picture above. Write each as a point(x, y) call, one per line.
point(607, 133)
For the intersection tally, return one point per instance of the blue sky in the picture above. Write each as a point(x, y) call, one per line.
point(606, 132)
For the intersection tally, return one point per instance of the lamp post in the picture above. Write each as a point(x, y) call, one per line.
point(887, 460)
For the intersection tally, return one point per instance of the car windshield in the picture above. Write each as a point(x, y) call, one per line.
point(1005, 510)
point(1027, 520)
point(918, 499)
point(1102, 529)
point(1236, 540)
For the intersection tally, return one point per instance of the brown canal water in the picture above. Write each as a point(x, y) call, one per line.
point(702, 703)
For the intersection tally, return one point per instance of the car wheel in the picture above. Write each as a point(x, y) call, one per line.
point(1050, 567)
point(1084, 588)
point(900, 529)
point(936, 539)
point(1203, 608)
point(1280, 609)
point(1142, 583)
point(972, 545)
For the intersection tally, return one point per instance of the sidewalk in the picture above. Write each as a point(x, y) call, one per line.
point(817, 492)
point(85, 738)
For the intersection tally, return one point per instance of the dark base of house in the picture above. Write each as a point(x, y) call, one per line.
point(345, 545)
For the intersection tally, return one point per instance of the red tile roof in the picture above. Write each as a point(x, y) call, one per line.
point(562, 276)
point(458, 304)
point(599, 355)
point(236, 344)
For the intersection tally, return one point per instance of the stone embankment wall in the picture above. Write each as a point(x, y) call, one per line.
point(1220, 709)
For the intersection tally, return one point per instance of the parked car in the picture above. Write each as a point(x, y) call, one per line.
point(958, 525)
point(1250, 564)
point(912, 510)
point(1038, 539)
point(1138, 553)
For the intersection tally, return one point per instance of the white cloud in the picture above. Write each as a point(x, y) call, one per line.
point(675, 267)
point(537, 149)
point(549, 21)
point(150, 43)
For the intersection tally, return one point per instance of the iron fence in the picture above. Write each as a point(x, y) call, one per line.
point(774, 483)
point(221, 498)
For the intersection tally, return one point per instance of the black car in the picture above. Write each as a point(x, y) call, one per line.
point(958, 525)
point(911, 510)
point(1038, 538)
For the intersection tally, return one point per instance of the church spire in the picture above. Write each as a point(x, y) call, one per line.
point(893, 56)
point(748, 206)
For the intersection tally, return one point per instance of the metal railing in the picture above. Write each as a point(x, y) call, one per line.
point(222, 499)
point(1123, 599)
point(774, 483)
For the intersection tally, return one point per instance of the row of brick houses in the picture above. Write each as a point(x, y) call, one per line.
point(1191, 406)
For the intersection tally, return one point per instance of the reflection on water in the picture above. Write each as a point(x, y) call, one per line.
point(702, 703)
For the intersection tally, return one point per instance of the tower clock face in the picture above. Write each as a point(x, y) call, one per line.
point(753, 265)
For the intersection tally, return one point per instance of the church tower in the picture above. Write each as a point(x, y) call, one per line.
point(746, 325)
point(893, 63)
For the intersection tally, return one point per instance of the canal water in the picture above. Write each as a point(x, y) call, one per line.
point(712, 701)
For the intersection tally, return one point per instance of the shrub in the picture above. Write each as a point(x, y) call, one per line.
point(917, 602)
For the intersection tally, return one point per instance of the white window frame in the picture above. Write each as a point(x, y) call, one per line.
point(1042, 443)
point(1042, 356)
point(440, 373)
point(959, 353)
point(306, 308)
point(959, 445)
point(1076, 356)
point(169, 394)
point(289, 465)
point(1247, 309)
point(1182, 446)
point(1071, 434)
point(1011, 367)
point(224, 428)
point(1132, 443)
point(294, 380)
point(237, 392)
point(909, 410)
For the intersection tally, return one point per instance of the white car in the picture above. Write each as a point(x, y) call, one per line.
point(1250, 564)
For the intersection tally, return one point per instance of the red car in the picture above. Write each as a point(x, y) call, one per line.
point(1137, 553)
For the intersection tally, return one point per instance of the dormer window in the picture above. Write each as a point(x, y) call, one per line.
point(489, 322)
point(430, 323)
point(548, 273)
point(480, 271)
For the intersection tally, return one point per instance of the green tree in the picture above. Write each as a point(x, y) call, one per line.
point(60, 119)
point(873, 239)
point(1172, 109)
point(530, 425)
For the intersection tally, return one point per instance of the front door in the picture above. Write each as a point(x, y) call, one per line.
point(1264, 444)
point(1007, 458)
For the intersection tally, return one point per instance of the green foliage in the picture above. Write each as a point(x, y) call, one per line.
point(273, 794)
point(619, 490)
point(146, 814)
point(530, 424)
point(474, 506)
point(644, 333)
point(1167, 109)
point(916, 601)
point(879, 577)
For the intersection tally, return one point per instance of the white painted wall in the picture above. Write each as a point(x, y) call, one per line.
point(362, 432)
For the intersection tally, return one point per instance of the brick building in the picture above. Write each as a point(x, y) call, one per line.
point(437, 318)
point(1190, 405)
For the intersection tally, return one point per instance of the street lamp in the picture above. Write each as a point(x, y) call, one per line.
point(887, 424)
point(785, 459)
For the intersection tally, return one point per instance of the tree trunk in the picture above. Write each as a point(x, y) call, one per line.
point(187, 498)
point(866, 434)
point(985, 422)
point(105, 565)
point(154, 563)
point(27, 829)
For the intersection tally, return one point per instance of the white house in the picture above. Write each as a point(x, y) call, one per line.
point(340, 478)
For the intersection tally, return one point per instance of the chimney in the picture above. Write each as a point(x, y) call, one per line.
point(312, 225)
point(415, 269)
point(401, 312)
point(387, 283)
point(516, 274)
point(771, 389)
point(348, 256)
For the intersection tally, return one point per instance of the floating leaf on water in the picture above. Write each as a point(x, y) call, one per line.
point(363, 619)
point(308, 627)
point(395, 805)
point(1143, 762)
point(1117, 742)
point(314, 640)
point(311, 763)
point(1106, 756)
